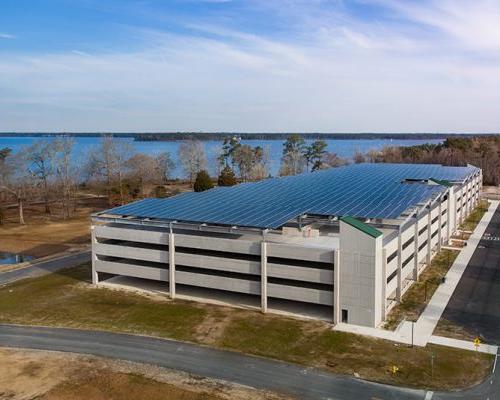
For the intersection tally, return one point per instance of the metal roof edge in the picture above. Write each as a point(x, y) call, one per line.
point(365, 228)
point(442, 182)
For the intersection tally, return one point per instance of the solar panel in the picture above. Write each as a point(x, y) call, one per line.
point(358, 190)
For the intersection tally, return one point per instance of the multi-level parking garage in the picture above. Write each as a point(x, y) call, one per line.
point(350, 240)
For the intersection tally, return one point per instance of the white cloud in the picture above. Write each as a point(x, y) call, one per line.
point(333, 73)
point(6, 36)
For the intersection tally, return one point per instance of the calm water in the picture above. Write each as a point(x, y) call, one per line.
point(12, 258)
point(344, 148)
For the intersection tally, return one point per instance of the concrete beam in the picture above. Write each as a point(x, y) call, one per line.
point(132, 270)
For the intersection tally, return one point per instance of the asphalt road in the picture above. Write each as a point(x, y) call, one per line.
point(304, 383)
point(475, 303)
point(45, 267)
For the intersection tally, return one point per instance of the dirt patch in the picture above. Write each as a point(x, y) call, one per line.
point(41, 239)
point(211, 329)
point(48, 234)
point(32, 374)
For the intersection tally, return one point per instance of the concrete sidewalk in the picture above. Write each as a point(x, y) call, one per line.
point(463, 344)
point(425, 325)
point(429, 319)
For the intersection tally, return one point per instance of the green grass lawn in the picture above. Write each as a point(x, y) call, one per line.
point(63, 299)
point(67, 299)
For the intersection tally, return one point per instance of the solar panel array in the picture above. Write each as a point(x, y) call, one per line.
point(358, 190)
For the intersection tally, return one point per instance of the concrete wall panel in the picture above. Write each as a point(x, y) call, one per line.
point(218, 282)
point(218, 244)
point(218, 263)
point(136, 271)
point(134, 235)
point(300, 273)
point(134, 253)
point(300, 253)
point(300, 294)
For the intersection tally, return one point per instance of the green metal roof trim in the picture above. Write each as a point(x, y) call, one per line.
point(356, 223)
point(442, 182)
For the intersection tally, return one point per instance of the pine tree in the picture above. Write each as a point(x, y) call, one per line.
point(226, 177)
point(202, 182)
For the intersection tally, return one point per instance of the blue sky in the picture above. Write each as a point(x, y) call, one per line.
point(262, 65)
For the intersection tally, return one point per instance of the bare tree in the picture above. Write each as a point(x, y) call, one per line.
point(332, 160)
point(39, 156)
point(63, 166)
point(143, 169)
point(164, 166)
point(108, 161)
point(192, 158)
point(16, 180)
point(358, 157)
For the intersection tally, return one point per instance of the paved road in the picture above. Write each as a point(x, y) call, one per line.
point(305, 383)
point(475, 303)
point(44, 267)
point(252, 371)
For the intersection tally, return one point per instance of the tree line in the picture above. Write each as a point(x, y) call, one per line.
point(480, 151)
point(48, 173)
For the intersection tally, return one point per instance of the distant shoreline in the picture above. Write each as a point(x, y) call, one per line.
point(206, 136)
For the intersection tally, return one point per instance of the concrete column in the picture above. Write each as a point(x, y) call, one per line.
point(95, 276)
point(263, 277)
point(448, 217)
point(429, 234)
point(467, 198)
point(399, 288)
point(415, 254)
point(383, 309)
point(439, 226)
point(336, 286)
point(463, 213)
point(459, 204)
point(171, 264)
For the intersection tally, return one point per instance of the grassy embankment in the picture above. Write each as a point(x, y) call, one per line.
point(67, 299)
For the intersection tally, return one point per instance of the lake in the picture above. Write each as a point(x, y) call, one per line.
point(343, 148)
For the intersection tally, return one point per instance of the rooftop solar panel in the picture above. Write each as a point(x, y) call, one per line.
point(359, 190)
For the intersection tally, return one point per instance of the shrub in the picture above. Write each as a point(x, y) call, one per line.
point(202, 182)
point(160, 192)
point(226, 177)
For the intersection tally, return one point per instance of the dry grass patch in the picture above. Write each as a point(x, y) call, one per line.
point(47, 234)
point(35, 374)
point(315, 344)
